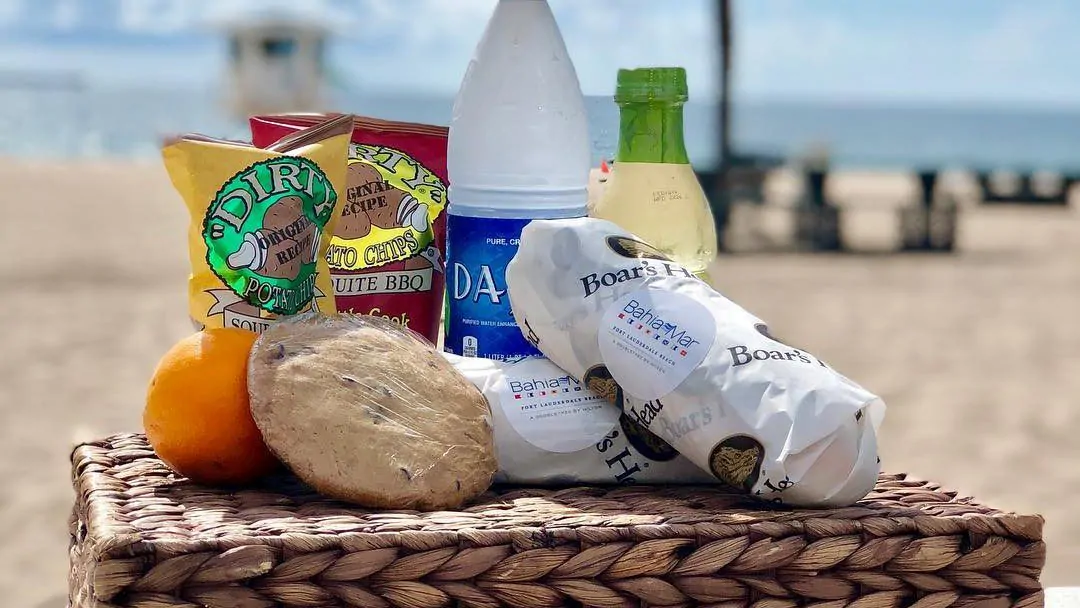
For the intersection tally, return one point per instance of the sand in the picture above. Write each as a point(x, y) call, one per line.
point(975, 353)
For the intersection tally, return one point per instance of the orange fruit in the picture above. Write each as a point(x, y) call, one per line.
point(197, 417)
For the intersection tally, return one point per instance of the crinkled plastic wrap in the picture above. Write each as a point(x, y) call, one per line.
point(552, 430)
point(692, 366)
point(367, 411)
point(261, 223)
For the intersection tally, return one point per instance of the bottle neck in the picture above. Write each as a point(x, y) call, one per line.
point(651, 133)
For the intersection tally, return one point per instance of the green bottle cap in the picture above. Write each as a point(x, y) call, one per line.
point(644, 85)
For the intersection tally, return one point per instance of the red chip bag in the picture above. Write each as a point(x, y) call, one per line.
point(386, 255)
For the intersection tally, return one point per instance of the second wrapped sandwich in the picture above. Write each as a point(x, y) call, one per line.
point(551, 430)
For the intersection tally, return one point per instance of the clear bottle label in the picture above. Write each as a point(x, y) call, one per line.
point(479, 322)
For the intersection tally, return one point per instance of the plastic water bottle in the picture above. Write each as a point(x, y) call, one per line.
point(518, 151)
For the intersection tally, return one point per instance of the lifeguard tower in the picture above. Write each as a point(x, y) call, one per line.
point(275, 59)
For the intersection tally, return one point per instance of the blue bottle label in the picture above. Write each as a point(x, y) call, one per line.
point(479, 322)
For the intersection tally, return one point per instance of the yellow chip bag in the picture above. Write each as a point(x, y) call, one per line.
point(261, 222)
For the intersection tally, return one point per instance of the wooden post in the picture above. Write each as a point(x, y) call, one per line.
point(725, 81)
point(721, 196)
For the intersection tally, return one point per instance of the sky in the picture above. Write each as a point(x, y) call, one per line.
point(932, 52)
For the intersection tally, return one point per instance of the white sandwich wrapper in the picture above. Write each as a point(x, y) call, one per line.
point(693, 367)
point(552, 430)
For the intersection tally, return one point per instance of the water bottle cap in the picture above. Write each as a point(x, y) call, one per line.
point(644, 85)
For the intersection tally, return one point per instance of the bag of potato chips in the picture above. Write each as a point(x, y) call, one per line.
point(261, 221)
point(386, 256)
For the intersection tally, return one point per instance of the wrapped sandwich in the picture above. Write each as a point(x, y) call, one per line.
point(694, 368)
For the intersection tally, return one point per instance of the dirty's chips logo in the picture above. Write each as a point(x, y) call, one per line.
point(262, 232)
point(633, 248)
point(737, 461)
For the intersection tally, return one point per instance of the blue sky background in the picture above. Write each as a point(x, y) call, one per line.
point(986, 52)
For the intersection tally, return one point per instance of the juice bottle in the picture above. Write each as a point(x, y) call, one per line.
point(518, 150)
point(653, 191)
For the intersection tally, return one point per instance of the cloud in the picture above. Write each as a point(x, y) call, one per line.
point(1020, 39)
point(165, 67)
point(155, 16)
point(10, 12)
point(436, 39)
point(410, 44)
point(921, 50)
point(606, 36)
point(985, 52)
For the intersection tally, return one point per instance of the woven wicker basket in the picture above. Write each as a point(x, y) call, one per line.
point(143, 538)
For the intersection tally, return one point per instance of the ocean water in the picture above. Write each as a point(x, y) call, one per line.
point(58, 122)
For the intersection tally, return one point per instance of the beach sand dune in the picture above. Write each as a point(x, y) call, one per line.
point(975, 353)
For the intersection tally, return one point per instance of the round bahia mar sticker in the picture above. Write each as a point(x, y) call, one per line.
point(262, 232)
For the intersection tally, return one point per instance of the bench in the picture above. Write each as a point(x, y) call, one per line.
point(1024, 188)
point(744, 181)
point(929, 225)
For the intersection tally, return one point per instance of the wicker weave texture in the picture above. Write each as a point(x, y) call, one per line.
point(143, 538)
